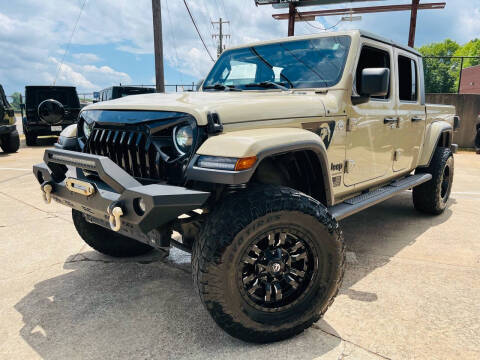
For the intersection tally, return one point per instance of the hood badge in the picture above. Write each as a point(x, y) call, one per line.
point(324, 129)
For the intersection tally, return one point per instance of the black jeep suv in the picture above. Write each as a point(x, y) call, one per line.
point(9, 140)
point(116, 92)
point(48, 110)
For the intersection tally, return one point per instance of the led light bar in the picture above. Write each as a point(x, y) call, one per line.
point(68, 160)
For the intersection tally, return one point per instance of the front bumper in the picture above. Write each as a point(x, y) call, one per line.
point(110, 187)
point(7, 129)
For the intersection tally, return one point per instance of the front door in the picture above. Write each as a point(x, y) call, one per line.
point(411, 112)
point(371, 125)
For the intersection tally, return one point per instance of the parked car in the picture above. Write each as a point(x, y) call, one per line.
point(48, 110)
point(9, 139)
point(116, 92)
point(284, 139)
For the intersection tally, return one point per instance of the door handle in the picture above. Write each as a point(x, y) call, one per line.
point(416, 119)
point(390, 121)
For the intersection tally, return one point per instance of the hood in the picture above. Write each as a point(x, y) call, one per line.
point(232, 107)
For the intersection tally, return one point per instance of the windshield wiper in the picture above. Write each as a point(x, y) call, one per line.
point(219, 86)
point(268, 84)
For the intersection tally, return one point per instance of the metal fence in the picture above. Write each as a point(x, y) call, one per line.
point(443, 74)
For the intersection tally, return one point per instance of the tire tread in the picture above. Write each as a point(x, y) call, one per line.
point(228, 219)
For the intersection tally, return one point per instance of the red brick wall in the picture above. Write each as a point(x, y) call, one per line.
point(470, 80)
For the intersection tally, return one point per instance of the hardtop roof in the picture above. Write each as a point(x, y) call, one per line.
point(50, 86)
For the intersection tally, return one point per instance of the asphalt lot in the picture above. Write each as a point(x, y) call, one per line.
point(411, 289)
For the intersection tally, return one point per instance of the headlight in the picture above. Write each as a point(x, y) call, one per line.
point(183, 138)
point(87, 129)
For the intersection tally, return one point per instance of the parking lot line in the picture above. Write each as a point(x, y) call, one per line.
point(15, 169)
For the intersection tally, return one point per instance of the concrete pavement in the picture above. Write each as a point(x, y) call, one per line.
point(411, 289)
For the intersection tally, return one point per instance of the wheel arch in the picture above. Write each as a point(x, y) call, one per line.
point(438, 134)
point(267, 145)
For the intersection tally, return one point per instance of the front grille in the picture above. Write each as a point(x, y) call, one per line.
point(131, 150)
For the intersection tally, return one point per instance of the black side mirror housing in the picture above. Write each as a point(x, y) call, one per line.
point(375, 82)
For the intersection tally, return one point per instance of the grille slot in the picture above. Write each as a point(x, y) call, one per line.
point(134, 151)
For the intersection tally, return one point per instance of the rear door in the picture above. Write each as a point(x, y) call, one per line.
point(411, 112)
point(370, 125)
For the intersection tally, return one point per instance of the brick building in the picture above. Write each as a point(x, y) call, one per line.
point(470, 80)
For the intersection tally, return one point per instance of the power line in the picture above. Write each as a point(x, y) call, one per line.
point(172, 31)
point(316, 27)
point(224, 9)
point(209, 25)
point(198, 31)
point(69, 42)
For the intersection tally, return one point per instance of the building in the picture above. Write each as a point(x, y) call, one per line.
point(470, 80)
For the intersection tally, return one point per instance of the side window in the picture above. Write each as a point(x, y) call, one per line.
point(371, 57)
point(407, 79)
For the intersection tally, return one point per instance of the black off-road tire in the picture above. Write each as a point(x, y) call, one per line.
point(432, 197)
point(10, 142)
point(30, 139)
point(237, 222)
point(106, 241)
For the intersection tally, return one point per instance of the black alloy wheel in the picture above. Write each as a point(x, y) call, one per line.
point(277, 268)
point(432, 197)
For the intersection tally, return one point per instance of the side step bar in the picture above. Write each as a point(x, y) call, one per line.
point(361, 202)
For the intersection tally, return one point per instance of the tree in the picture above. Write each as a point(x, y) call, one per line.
point(440, 73)
point(16, 96)
point(472, 48)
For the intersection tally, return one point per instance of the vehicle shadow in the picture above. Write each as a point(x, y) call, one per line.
point(41, 141)
point(377, 234)
point(147, 307)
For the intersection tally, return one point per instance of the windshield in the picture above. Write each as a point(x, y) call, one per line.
point(313, 63)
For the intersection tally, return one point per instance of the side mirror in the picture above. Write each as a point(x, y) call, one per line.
point(375, 82)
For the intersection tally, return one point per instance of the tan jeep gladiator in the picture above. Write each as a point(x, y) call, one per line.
point(253, 172)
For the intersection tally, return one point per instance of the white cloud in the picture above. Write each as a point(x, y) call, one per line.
point(85, 58)
point(33, 34)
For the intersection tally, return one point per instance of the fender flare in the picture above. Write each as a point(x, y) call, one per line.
point(434, 133)
point(296, 140)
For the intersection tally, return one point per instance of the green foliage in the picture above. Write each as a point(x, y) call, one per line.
point(16, 101)
point(442, 75)
point(439, 72)
point(471, 48)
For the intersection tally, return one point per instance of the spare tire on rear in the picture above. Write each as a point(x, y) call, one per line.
point(51, 111)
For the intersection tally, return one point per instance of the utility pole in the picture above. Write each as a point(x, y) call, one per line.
point(291, 19)
point(158, 45)
point(220, 35)
point(413, 23)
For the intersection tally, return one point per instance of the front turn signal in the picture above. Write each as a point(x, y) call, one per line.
point(245, 163)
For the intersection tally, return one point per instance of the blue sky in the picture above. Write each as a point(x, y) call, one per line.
point(113, 41)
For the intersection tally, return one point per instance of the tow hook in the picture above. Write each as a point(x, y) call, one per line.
point(115, 212)
point(47, 189)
